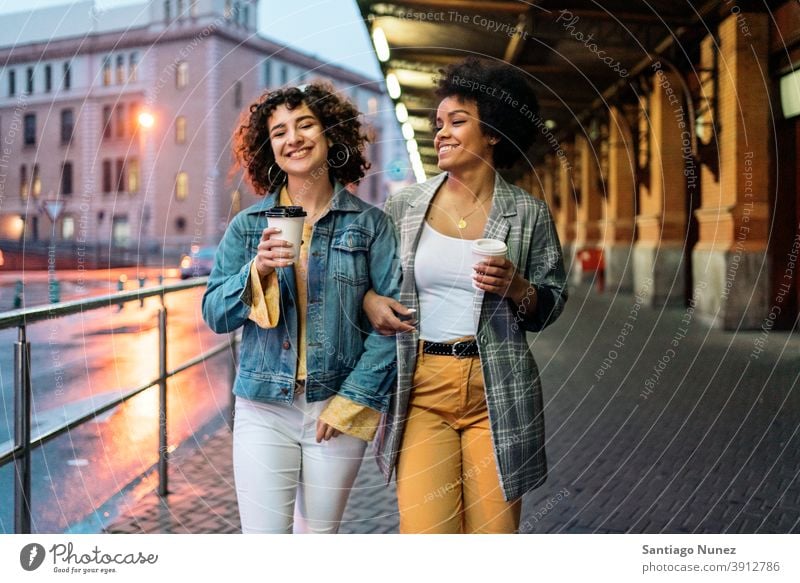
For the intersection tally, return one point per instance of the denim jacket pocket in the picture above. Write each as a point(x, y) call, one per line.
point(350, 256)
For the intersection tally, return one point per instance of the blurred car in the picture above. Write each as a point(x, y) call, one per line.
point(198, 262)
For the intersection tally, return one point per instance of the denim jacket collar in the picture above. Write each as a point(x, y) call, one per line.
point(341, 201)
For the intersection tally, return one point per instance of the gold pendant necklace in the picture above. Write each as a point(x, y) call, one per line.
point(462, 222)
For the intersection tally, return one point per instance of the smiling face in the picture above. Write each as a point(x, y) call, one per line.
point(298, 140)
point(459, 141)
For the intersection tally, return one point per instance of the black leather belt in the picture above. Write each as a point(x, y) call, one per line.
point(461, 349)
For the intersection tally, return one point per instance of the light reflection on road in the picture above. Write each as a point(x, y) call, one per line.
point(82, 361)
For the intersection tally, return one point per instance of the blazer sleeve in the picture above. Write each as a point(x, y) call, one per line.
point(545, 271)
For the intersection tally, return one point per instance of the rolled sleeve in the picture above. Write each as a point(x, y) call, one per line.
point(351, 418)
point(265, 306)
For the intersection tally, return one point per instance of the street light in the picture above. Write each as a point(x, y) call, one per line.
point(393, 85)
point(146, 119)
point(381, 46)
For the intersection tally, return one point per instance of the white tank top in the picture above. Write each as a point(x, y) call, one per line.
point(443, 274)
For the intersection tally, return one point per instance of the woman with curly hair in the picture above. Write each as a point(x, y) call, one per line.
point(465, 431)
point(312, 381)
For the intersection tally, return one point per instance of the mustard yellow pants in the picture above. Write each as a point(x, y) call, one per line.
point(447, 479)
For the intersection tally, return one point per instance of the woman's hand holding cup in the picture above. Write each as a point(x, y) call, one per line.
point(273, 252)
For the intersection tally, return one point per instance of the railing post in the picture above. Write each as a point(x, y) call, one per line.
point(163, 454)
point(22, 433)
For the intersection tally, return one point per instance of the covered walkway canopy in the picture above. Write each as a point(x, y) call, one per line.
point(578, 53)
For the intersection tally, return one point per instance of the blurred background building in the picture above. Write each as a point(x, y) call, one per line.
point(670, 135)
point(116, 126)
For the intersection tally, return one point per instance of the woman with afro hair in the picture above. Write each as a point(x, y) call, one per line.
point(312, 381)
point(465, 430)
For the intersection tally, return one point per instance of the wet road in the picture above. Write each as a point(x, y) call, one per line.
point(79, 363)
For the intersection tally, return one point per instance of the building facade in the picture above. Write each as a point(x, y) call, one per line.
point(116, 125)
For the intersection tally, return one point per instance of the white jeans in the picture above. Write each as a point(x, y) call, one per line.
point(286, 481)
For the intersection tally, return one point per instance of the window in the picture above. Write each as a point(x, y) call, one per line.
point(180, 9)
point(180, 224)
point(120, 185)
point(133, 175)
point(106, 176)
point(182, 186)
point(133, 66)
point(284, 74)
point(180, 130)
point(193, 9)
point(48, 78)
point(182, 75)
point(167, 10)
point(68, 227)
point(12, 82)
point(67, 125)
point(119, 120)
point(29, 80)
point(120, 69)
point(66, 179)
point(23, 182)
point(237, 95)
point(245, 15)
point(36, 183)
point(30, 129)
point(120, 231)
point(228, 10)
point(107, 71)
point(106, 122)
point(67, 75)
point(267, 73)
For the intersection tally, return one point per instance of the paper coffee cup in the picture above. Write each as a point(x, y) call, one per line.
point(486, 248)
point(483, 248)
point(289, 219)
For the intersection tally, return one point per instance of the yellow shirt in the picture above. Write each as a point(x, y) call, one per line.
point(345, 415)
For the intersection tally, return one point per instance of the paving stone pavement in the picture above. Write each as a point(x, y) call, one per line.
point(656, 423)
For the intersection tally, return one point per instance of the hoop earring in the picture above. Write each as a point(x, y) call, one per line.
point(277, 179)
point(339, 159)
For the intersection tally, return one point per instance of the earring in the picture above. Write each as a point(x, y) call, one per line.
point(339, 158)
point(278, 179)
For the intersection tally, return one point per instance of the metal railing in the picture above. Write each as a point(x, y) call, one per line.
point(21, 319)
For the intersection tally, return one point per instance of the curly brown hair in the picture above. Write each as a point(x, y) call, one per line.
point(252, 151)
point(514, 125)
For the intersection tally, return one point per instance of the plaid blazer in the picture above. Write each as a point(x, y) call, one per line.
point(511, 377)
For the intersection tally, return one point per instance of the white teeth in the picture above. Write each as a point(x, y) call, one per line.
point(299, 153)
point(443, 149)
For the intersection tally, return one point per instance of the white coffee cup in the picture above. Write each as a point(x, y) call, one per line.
point(289, 219)
point(483, 249)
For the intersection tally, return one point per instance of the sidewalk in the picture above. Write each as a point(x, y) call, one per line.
point(655, 424)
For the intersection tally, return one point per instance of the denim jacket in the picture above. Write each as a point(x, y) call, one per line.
point(353, 249)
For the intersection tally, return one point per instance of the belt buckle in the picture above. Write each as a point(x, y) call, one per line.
point(455, 350)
